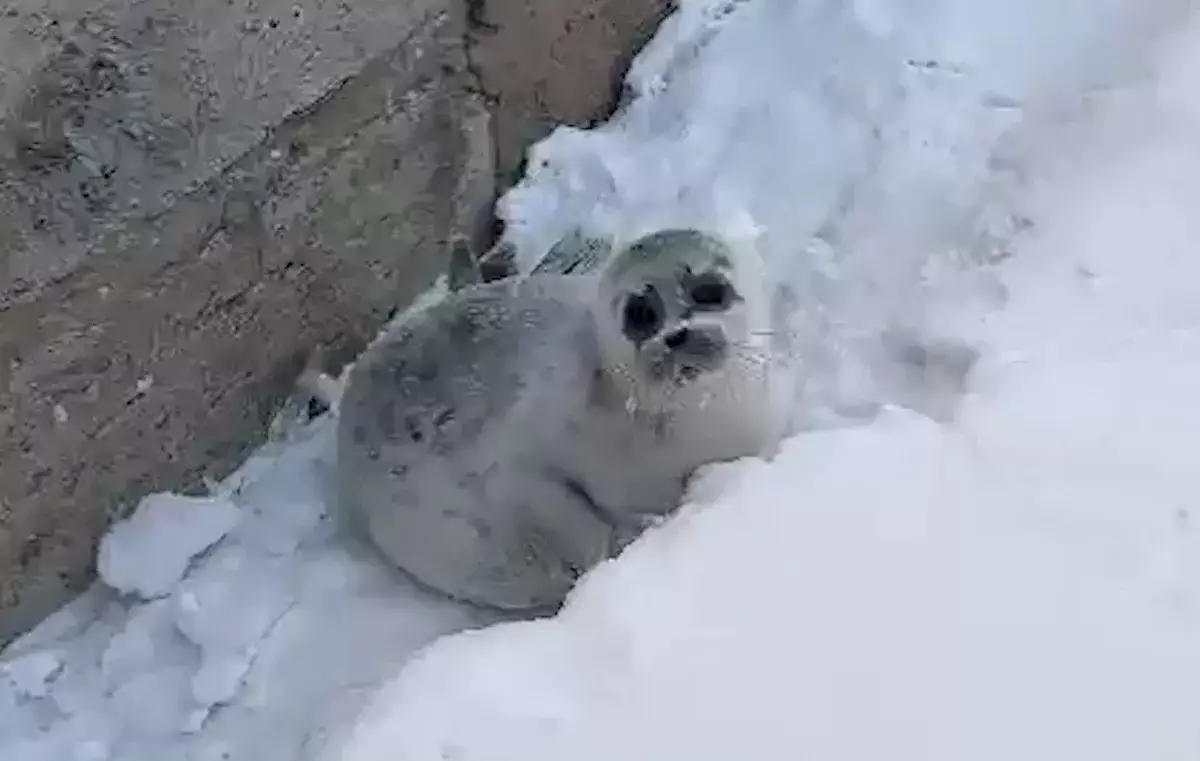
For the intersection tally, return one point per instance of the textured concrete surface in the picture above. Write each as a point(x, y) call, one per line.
point(193, 195)
point(541, 63)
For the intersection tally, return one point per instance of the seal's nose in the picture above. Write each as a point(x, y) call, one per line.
point(677, 338)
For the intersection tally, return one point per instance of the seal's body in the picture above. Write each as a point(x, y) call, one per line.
point(501, 442)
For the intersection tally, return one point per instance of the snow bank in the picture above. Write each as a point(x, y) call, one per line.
point(864, 137)
point(874, 593)
point(779, 106)
point(1021, 584)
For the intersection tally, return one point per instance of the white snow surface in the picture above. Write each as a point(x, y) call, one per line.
point(1020, 582)
point(149, 553)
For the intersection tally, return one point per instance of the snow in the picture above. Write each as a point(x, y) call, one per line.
point(871, 140)
point(259, 645)
point(1020, 580)
point(31, 674)
point(801, 610)
point(149, 553)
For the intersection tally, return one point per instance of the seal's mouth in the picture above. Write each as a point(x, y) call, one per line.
point(686, 353)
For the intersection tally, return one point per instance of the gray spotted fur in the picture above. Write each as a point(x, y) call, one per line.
point(494, 451)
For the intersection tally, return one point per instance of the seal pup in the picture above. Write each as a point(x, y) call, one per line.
point(506, 439)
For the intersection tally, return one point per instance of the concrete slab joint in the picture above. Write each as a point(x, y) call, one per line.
point(193, 197)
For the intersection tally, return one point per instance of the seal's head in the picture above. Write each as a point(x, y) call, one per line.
point(677, 306)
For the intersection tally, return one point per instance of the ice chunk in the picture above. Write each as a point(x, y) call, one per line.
point(31, 674)
point(157, 703)
point(195, 721)
point(149, 553)
point(220, 678)
point(148, 640)
point(235, 602)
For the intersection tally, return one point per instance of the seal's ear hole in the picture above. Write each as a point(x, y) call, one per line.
point(711, 291)
point(642, 315)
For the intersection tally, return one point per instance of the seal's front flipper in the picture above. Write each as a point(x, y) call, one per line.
point(314, 393)
point(322, 388)
point(498, 263)
point(463, 270)
point(575, 254)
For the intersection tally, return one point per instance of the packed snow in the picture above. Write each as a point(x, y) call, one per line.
point(150, 553)
point(1017, 579)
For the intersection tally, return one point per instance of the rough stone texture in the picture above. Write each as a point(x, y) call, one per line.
point(146, 341)
point(542, 63)
point(193, 195)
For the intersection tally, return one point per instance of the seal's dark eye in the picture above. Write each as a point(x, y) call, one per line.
point(643, 315)
point(711, 292)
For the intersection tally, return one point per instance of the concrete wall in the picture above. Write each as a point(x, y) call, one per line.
point(194, 195)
